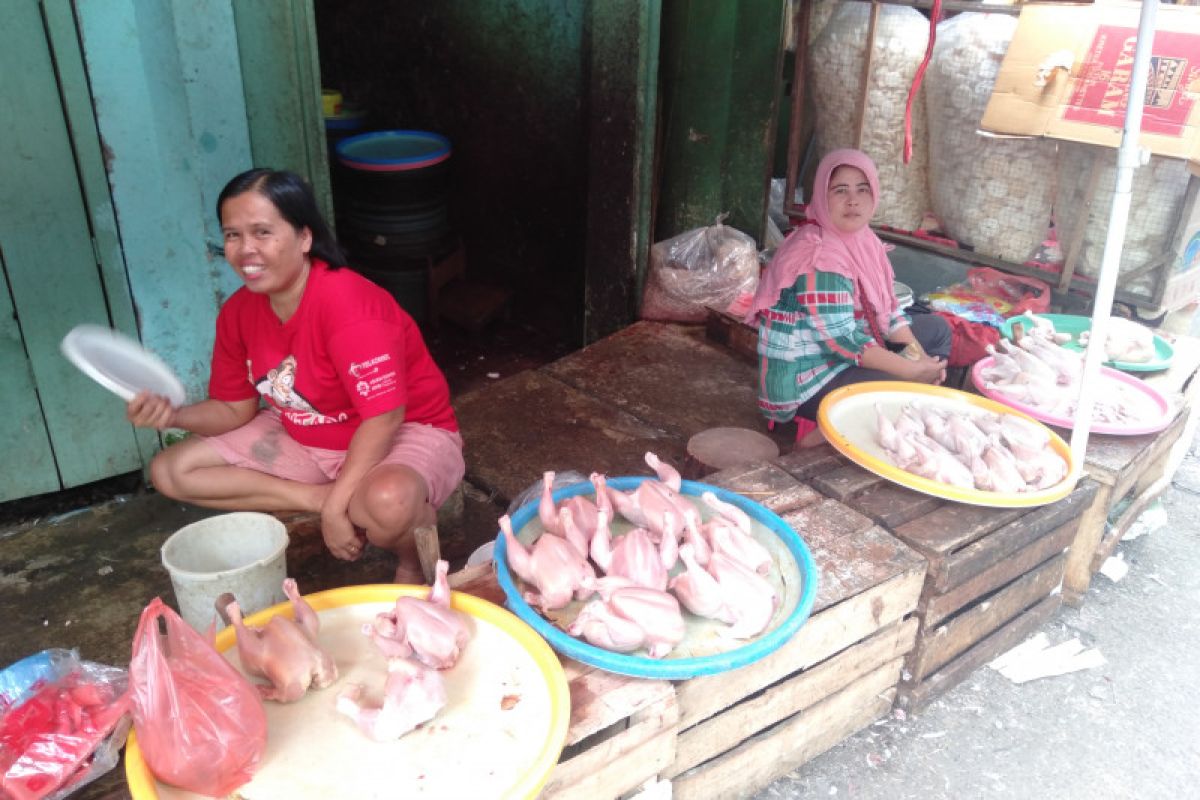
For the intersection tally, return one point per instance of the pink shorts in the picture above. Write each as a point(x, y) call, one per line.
point(262, 444)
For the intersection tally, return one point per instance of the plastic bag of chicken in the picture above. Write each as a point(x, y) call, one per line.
point(200, 724)
point(63, 722)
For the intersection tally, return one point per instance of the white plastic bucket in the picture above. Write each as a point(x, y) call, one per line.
point(481, 554)
point(243, 553)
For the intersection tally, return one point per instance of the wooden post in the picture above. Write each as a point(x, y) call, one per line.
point(1076, 243)
point(868, 59)
point(429, 550)
point(795, 127)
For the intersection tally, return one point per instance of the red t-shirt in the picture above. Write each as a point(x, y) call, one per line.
point(348, 353)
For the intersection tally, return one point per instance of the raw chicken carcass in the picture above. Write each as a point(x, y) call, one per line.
point(749, 599)
point(428, 629)
point(665, 472)
point(723, 537)
point(1129, 342)
point(284, 651)
point(634, 555)
point(698, 591)
point(412, 694)
point(613, 621)
point(552, 566)
point(580, 523)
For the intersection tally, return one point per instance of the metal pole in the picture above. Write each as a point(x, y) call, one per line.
point(1129, 158)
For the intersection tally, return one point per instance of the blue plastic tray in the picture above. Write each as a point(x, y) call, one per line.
point(703, 651)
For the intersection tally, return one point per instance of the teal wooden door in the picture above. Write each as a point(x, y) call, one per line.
point(59, 428)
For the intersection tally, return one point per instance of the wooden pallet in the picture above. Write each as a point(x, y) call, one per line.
point(740, 730)
point(993, 572)
point(1132, 471)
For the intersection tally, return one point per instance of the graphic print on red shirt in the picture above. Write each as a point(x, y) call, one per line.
point(348, 353)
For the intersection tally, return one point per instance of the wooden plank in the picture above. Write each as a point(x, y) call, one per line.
point(1116, 459)
point(1077, 575)
point(803, 464)
point(845, 483)
point(851, 564)
point(766, 484)
point(531, 422)
point(954, 525)
point(1150, 456)
point(823, 635)
point(1116, 531)
point(722, 732)
point(938, 645)
point(917, 697)
point(281, 81)
point(51, 272)
point(723, 65)
point(828, 518)
point(935, 608)
point(93, 180)
point(666, 375)
point(774, 752)
point(621, 762)
point(996, 546)
point(891, 505)
point(600, 699)
point(729, 331)
point(619, 63)
point(174, 142)
point(1121, 465)
point(24, 429)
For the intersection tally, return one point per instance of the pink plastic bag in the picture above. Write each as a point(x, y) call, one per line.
point(200, 724)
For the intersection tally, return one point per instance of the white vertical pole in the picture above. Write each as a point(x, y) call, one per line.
point(1129, 158)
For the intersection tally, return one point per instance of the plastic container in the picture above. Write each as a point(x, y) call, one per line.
point(243, 553)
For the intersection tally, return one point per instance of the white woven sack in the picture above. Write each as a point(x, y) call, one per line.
point(1159, 190)
point(835, 62)
point(993, 194)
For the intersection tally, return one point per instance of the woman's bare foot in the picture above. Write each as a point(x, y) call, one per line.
point(813, 438)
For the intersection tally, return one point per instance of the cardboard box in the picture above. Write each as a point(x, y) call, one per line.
point(1087, 103)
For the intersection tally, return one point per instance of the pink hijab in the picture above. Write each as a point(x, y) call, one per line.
point(860, 256)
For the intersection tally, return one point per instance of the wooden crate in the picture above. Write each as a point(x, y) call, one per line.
point(622, 731)
point(993, 573)
point(1132, 471)
point(740, 730)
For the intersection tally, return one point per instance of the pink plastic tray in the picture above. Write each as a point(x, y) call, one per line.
point(1106, 374)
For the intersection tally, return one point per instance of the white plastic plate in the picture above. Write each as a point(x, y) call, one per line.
point(120, 364)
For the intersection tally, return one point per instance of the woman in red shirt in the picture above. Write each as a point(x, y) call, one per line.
point(322, 396)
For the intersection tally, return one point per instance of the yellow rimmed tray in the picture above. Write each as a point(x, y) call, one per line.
point(500, 734)
point(847, 418)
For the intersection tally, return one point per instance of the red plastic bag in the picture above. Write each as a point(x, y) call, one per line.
point(62, 724)
point(1022, 293)
point(200, 724)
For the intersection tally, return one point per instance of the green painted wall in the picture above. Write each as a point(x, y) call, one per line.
point(720, 84)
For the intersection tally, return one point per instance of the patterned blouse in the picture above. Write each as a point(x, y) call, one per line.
point(817, 329)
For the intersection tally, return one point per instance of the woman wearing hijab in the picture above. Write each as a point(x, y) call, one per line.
point(826, 308)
